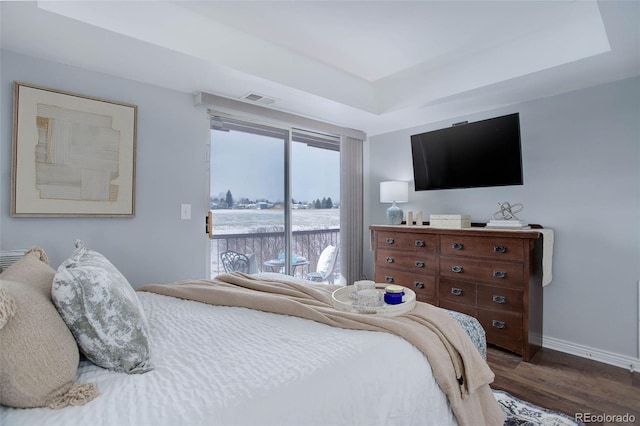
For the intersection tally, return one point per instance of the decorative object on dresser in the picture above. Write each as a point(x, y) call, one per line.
point(506, 217)
point(418, 218)
point(450, 221)
point(394, 192)
point(493, 275)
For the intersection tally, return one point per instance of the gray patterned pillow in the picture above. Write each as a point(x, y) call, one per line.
point(102, 311)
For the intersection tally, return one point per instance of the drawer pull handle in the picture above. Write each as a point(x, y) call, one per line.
point(389, 259)
point(498, 324)
point(390, 240)
point(457, 269)
point(499, 299)
point(499, 249)
point(457, 246)
point(418, 284)
point(456, 291)
point(388, 279)
point(419, 243)
point(419, 263)
point(499, 274)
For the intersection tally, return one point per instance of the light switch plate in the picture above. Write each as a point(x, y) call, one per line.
point(185, 211)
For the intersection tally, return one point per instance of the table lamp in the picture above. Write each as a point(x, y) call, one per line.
point(394, 192)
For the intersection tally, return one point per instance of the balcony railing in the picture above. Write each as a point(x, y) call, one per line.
point(268, 245)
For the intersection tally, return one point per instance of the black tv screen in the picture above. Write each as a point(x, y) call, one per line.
point(479, 154)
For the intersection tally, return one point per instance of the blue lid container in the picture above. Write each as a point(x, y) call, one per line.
point(393, 294)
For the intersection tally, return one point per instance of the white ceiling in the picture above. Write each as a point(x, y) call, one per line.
point(376, 66)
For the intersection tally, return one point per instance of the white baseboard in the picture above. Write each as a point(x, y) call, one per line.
point(624, 361)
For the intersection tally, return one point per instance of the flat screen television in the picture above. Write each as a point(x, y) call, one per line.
point(479, 154)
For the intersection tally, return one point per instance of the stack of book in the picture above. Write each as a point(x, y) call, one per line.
point(507, 224)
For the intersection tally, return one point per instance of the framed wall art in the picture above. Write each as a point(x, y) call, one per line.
point(73, 155)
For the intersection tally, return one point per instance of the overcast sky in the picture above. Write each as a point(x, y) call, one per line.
point(252, 166)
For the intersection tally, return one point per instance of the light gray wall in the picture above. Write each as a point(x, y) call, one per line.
point(155, 246)
point(581, 160)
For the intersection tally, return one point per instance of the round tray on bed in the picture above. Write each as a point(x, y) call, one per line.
point(343, 299)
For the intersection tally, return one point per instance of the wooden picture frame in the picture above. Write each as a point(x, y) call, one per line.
point(73, 155)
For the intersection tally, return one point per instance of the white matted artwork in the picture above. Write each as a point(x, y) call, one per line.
point(73, 155)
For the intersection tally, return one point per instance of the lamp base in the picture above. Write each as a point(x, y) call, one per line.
point(394, 215)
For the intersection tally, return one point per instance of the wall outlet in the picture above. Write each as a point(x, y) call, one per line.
point(185, 211)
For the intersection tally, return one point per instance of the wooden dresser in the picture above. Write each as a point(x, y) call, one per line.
point(493, 275)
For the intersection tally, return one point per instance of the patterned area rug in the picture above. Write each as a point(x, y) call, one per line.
point(521, 413)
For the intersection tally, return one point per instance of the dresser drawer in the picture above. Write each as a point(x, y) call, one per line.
point(414, 262)
point(492, 247)
point(424, 286)
point(457, 291)
point(503, 328)
point(499, 298)
point(501, 274)
point(403, 241)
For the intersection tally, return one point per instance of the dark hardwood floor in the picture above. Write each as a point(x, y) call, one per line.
point(567, 383)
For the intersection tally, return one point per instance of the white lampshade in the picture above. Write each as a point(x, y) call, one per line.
point(394, 191)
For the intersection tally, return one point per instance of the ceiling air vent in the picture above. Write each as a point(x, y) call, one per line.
point(258, 98)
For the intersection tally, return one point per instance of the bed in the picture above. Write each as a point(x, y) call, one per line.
point(229, 365)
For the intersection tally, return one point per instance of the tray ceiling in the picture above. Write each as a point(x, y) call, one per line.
point(373, 65)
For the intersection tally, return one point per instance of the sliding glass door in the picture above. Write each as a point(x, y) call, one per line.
point(274, 198)
point(315, 198)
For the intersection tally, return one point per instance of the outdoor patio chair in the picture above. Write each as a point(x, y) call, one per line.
point(234, 261)
point(326, 265)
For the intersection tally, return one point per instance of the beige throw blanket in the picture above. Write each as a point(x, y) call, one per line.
point(457, 365)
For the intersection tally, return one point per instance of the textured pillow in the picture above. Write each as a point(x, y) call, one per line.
point(39, 356)
point(102, 311)
point(33, 268)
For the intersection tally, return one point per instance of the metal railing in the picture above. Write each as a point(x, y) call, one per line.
point(268, 245)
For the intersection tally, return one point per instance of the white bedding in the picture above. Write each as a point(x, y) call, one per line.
point(218, 365)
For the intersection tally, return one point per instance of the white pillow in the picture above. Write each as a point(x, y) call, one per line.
point(102, 311)
point(326, 260)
